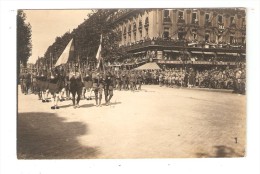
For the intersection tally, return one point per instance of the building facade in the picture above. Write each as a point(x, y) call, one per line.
point(171, 36)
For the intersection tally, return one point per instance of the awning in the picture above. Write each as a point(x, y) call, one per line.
point(189, 44)
point(233, 54)
point(167, 50)
point(221, 53)
point(209, 53)
point(148, 66)
point(139, 52)
point(243, 54)
point(197, 52)
point(175, 51)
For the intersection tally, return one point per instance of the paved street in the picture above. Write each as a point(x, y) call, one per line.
point(156, 122)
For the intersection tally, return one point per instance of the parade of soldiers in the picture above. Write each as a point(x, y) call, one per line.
point(59, 84)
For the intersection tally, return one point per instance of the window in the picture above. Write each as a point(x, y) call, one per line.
point(166, 33)
point(194, 34)
point(166, 13)
point(231, 19)
point(146, 21)
point(243, 21)
point(134, 26)
point(220, 19)
point(194, 18)
point(180, 14)
point(125, 30)
point(231, 39)
point(243, 40)
point(129, 28)
point(180, 36)
point(219, 38)
point(166, 16)
point(206, 37)
point(207, 17)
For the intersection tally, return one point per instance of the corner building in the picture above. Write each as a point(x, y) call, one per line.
point(173, 37)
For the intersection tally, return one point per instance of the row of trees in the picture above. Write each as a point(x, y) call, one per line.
point(24, 43)
point(87, 39)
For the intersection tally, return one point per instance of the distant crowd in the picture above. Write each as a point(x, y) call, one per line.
point(228, 78)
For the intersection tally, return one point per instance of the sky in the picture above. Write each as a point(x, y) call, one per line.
point(49, 24)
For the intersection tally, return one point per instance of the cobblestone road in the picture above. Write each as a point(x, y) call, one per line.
point(156, 122)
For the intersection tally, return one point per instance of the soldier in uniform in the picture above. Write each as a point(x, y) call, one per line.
point(161, 79)
point(87, 79)
point(242, 86)
point(131, 80)
point(118, 81)
point(123, 79)
point(38, 82)
point(98, 86)
point(27, 82)
point(139, 80)
point(22, 81)
point(62, 83)
point(55, 87)
point(76, 86)
point(44, 86)
point(108, 87)
point(34, 83)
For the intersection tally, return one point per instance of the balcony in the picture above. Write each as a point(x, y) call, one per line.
point(221, 26)
point(180, 21)
point(167, 20)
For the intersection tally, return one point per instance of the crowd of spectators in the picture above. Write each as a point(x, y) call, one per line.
point(228, 78)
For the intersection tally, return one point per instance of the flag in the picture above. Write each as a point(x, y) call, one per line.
point(98, 55)
point(65, 54)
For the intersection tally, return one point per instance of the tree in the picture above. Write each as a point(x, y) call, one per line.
point(24, 44)
point(87, 39)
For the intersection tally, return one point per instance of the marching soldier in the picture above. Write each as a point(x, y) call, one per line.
point(27, 82)
point(87, 85)
point(76, 88)
point(139, 80)
point(54, 88)
point(108, 87)
point(22, 82)
point(44, 86)
point(97, 87)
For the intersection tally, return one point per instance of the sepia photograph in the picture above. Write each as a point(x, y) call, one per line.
point(111, 86)
point(131, 83)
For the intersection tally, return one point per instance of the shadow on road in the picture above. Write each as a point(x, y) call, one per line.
point(65, 106)
point(46, 136)
point(221, 152)
point(87, 105)
point(115, 103)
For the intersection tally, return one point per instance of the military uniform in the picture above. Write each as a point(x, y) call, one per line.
point(76, 88)
point(87, 79)
point(98, 86)
point(54, 88)
point(108, 87)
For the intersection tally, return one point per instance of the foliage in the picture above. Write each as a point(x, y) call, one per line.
point(87, 39)
point(24, 45)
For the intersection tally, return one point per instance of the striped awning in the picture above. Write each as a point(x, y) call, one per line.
point(148, 66)
point(209, 53)
point(232, 54)
point(197, 52)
